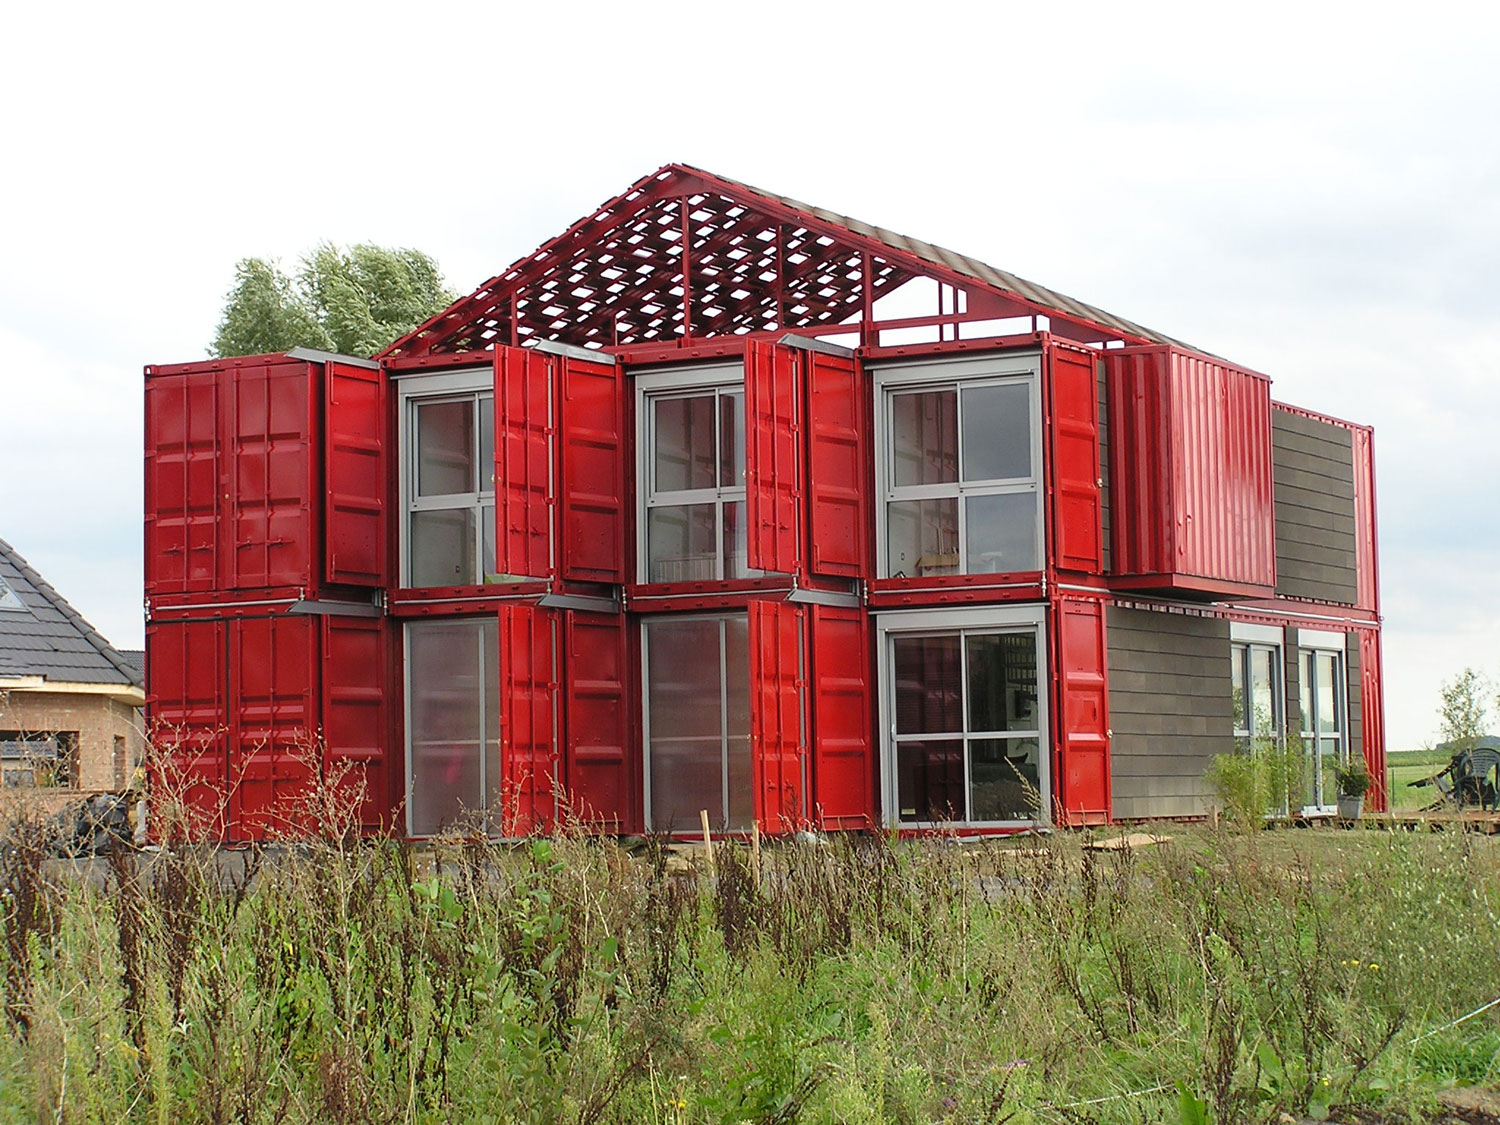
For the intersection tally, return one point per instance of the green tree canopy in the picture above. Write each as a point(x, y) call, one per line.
point(353, 301)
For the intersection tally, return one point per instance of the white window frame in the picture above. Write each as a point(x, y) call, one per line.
point(652, 385)
point(961, 373)
point(490, 817)
point(474, 383)
point(1313, 642)
point(720, 618)
point(946, 622)
point(1243, 637)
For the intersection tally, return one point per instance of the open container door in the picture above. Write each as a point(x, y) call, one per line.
point(1077, 527)
point(524, 497)
point(357, 682)
point(773, 462)
point(355, 470)
point(528, 720)
point(1082, 792)
point(843, 693)
point(837, 465)
point(601, 788)
point(591, 421)
point(777, 746)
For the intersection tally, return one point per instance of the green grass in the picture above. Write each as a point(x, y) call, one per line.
point(862, 980)
point(1407, 766)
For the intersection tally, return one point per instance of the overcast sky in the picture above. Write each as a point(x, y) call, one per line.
point(1311, 191)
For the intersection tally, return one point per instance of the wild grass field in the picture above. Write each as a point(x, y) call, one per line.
point(1212, 977)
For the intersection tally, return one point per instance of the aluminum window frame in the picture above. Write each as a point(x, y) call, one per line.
point(724, 738)
point(1244, 639)
point(661, 384)
point(475, 384)
point(962, 373)
point(965, 622)
point(1310, 646)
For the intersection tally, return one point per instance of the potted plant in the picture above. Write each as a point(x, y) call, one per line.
point(1354, 782)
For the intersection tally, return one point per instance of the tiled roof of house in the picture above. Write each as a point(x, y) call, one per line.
point(42, 635)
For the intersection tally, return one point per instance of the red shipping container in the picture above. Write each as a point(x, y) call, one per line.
point(1190, 470)
point(264, 471)
point(263, 721)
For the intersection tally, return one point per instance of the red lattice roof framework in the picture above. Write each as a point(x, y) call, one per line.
point(684, 254)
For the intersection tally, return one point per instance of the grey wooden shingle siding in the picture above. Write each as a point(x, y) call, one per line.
point(1104, 549)
point(1170, 709)
point(1313, 466)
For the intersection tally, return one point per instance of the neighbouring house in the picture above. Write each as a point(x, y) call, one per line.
point(721, 502)
point(70, 703)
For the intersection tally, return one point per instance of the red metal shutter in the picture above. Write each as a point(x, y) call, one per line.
point(356, 684)
point(837, 465)
point(355, 470)
point(182, 482)
point(271, 502)
point(187, 710)
point(776, 744)
point(1076, 527)
point(528, 719)
point(773, 471)
point(1082, 791)
point(593, 471)
point(523, 463)
point(1372, 715)
point(843, 781)
point(600, 788)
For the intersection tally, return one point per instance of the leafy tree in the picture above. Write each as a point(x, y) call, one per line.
point(353, 301)
point(1465, 710)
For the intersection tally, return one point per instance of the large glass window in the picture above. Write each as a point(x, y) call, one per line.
point(967, 726)
point(693, 466)
point(448, 470)
point(453, 724)
point(1323, 745)
point(1256, 670)
point(960, 469)
point(698, 722)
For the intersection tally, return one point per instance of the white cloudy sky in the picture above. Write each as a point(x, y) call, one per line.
point(1311, 190)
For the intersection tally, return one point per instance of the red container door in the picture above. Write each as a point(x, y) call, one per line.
point(843, 694)
point(271, 494)
point(1081, 711)
point(773, 468)
point(273, 725)
point(1077, 535)
point(838, 483)
point(186, 706)
point(1372, 715)
point(591, 424)
point(182, 482)
point(601, 787)
point(355, 468)
point(776, 742)
point(357, 681)
point(523, 463)
point(528, 719)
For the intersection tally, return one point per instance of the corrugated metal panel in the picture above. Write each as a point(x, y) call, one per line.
point(231, 490)
point(523, 463)
point(601, 786)
point(355, 476)
point(1190, 452)
point(1364, 519)
point(1081, 714)
point(528, 719)
point(186, 712)
point(773, 471)
point(273, 724)
point(1073, 436)
point(843, 716)
point(356, 725)
point(776, 738)
point(593, 470)
point(838, 465)
point(1372, 714)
